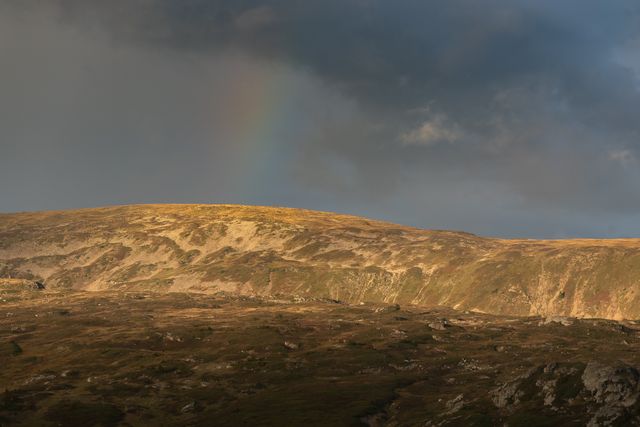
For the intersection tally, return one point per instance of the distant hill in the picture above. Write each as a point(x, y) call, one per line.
point(271, 251)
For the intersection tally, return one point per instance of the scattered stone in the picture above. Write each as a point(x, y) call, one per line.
point(440, 325)
point(399, 334)
point(564, 321)
point(388, 309)
point(170, 337)
point(404, 368)
point(470, 365)
point(189, 407)
point(291, 345)
point(39, 379)
point(455, 404)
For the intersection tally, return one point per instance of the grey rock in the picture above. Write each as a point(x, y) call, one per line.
point(455, 404)
point(291, 345)
point(564, 321)
point(506, 395)
point(440, 325)
point(612, 385)
point(189, 407)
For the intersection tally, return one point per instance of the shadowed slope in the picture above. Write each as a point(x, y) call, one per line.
point(268, 251)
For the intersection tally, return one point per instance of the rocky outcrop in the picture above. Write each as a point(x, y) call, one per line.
point(607, 393)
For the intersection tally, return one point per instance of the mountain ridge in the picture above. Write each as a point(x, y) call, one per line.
point(275, 250)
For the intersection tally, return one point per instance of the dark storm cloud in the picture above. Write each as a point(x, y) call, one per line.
point(499, 117)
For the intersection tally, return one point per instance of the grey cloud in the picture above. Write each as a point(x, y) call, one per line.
point(498, 117)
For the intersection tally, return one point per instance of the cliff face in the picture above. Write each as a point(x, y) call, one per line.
point(256, 250)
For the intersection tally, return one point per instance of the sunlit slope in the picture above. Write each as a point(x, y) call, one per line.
point(259, 250)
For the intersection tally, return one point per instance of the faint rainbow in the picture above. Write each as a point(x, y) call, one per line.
point(257, 102)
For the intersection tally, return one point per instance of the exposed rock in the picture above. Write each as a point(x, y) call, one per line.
point(609, 393)
point(612, 385)
point(388, 309)
point(455, 404)
point(39, 379)
point(439, 325)
point(170, 337)
point(471, 365)
point(508, 394)
point(399, 334)
point(540, 383)
point(564, 321)
point(291, 345)
point(606, 416)
point(189, 407)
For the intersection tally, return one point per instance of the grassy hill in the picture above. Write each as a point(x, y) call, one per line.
point(280, 251)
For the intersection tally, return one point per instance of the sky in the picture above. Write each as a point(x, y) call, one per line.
point(509, 118)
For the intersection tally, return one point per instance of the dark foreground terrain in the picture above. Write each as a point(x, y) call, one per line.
point(82, 359)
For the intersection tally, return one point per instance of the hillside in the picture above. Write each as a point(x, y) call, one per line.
point(280, 251)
